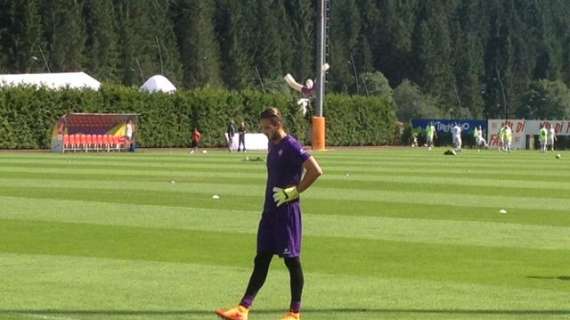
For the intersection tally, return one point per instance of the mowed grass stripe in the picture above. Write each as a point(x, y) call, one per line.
point(371, 154)
point(231, 160)
point(140, 288)
point(561, 176)
point(468, 157)
point(352, 181)
point(23, 186)
point(471, 264)
point(191, 182)
point(443, 232)
point(254, 201)
point(344, 175)
point(484, 164)
point(547, 161)
point(322, 207)
point(355, 162)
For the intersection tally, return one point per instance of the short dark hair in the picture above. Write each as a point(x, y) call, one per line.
point(272, 114)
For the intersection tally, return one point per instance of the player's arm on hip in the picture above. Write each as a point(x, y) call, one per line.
point(312, 172)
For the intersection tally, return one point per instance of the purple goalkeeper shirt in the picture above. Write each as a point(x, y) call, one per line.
point(280, 227)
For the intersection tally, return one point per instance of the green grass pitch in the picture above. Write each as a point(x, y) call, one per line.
point(389, 233)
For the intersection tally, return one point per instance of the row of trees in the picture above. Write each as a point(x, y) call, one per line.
point(195, 43)
point(468, 58)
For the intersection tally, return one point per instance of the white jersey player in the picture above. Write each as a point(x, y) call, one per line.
point(551, 137)
point(479, 140)
point(456, 135)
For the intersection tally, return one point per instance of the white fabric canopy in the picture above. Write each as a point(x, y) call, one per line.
point(74, 80)
point(158, 83)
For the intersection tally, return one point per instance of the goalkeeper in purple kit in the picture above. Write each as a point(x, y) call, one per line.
point(280, 228)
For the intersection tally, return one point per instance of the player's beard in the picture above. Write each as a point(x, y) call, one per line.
point(275, 136)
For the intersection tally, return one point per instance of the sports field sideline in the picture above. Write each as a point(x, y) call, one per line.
point(389, 233)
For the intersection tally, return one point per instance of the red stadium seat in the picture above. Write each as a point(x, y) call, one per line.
point(95, 142)
point(117, 143)
point(99, 141)
point(73, 142)
point(91, 141)
point(83, 142)
point(66, 144)
point(77, 142)
point(107, 142)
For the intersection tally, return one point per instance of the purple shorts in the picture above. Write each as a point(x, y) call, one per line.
point(280, 231)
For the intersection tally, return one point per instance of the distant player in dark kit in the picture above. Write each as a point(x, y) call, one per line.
point(196, 136)
point(241, 133)
point(279, 230)
point(231, 131)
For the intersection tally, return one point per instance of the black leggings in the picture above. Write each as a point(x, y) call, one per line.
point(259, 274)
point(241, 142)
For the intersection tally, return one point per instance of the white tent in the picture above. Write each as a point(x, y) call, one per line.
point(158, 83)
point(74, 80)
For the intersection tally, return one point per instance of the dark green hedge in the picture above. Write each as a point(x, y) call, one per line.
point(359, 121)
point(27, 115)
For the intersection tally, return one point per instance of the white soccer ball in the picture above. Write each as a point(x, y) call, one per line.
point(172, 182)
point(216, 197)
point(503, 211)
point(558, 156)
point(204, 151)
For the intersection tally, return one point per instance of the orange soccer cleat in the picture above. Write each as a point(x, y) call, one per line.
point(237, 313)
point(292, 316)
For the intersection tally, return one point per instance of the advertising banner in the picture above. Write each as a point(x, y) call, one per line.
point(445, 125)
point(562, 127)
point(519, 132)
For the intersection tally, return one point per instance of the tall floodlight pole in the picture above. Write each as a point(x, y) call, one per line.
point(321, 47)
point(318, 121)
